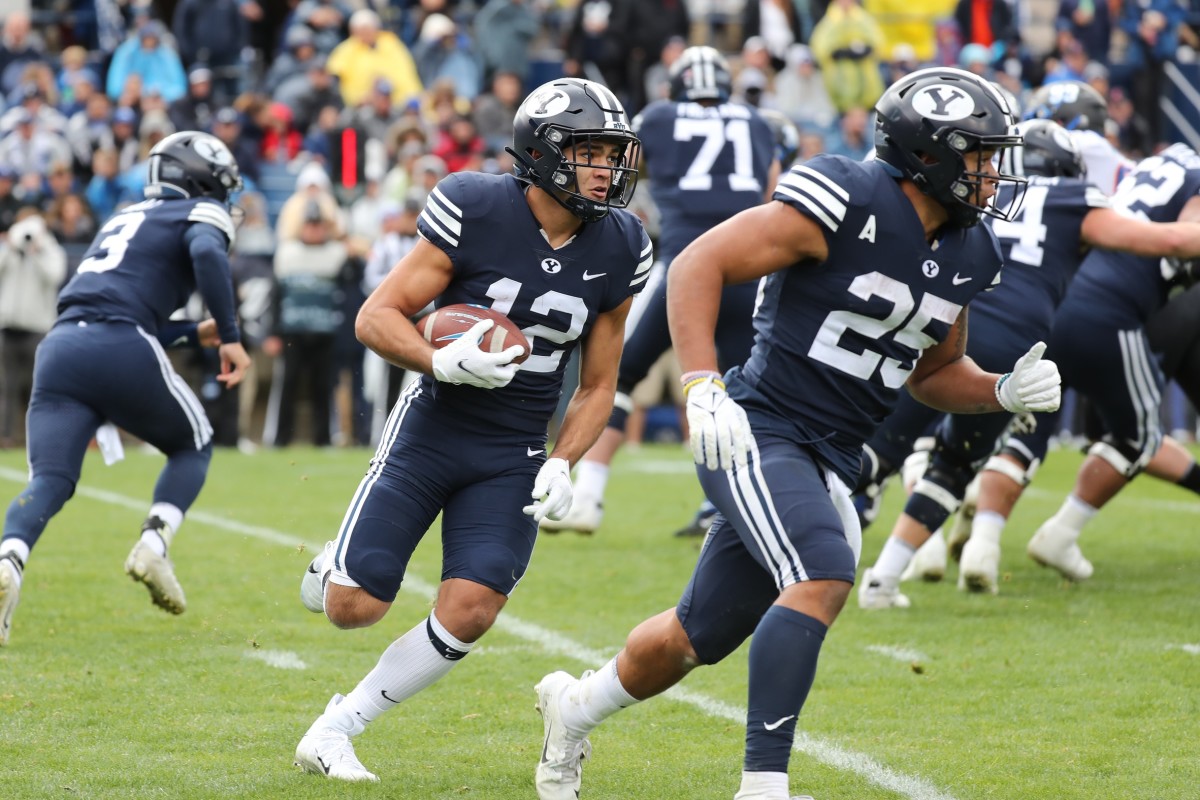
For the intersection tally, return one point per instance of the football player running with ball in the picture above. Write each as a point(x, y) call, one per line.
point(868, 268)
point(553, 250)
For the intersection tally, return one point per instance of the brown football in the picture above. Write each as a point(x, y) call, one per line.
point(446, 324)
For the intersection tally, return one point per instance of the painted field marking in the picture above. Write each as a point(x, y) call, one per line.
point(1190, 649)
point(822, 750)
point(280, 659)
point(905, 654)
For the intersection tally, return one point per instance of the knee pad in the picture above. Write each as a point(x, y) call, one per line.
point(622, 406)
point(1021, 474)
point(1125, 457)
point(917, 462)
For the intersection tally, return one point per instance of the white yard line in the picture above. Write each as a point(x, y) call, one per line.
point(904, 654)
point(1190, 649)
point(280, 659)
point(822, 750)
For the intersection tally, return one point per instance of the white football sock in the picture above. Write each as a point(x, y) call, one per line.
point(17, 547)
point(600, 695)
point(893, 558)
point(416, 660)
point(988, 526)
point(762, 785)
point(591, 478)
point(1075, 513)
point(160, 540)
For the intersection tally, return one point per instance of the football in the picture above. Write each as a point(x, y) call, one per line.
point(446, 324)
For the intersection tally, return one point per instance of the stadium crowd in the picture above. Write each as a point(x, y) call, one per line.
point(343, 115)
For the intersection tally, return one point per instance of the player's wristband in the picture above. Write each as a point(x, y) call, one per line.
point(689, 377)
point(1000, 383)
point(704, 377)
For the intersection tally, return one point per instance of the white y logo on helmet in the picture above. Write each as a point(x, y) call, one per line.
point(943, 102)
point(547, 103)
point(214, 151)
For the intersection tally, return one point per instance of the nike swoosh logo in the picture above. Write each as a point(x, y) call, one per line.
point(957, 281)
point(390, 700)
point(588, 277)
point(324, 766)
point(534, 451)
point(773, 725)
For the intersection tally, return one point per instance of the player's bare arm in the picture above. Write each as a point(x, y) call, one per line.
point(946, 378)
point(383, 321)
point(782, 237)
point(591, 405)
point(1112, 230)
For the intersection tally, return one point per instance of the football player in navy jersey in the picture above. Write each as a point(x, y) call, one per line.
point(868, 268)
point(707, 159)
point(103, 362)
point(1038, 267)
point(552, 248)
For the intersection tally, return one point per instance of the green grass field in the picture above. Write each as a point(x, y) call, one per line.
point(1047, 691)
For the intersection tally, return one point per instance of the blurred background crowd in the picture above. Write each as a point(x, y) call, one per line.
point(343, 114)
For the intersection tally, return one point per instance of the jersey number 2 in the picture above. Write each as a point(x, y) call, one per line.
point(505, 291)
point(893, 373)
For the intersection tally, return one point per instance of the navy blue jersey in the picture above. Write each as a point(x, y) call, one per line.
point(706, 163)
point(502, 260)
point(1134, 287)
point(836, 340)
point(139, 268)
point(1042, 251)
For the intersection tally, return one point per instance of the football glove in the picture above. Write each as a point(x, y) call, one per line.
point(552, 491)
point(1033, 385)
point(462, 361)
point(720, 432)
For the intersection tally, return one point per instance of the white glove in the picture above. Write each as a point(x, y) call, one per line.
point(462, 361)
point(720, 432)
point(1033, 385)
point(551, 491)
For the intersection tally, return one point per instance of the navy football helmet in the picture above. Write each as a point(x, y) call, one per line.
point(192, 164)
point(786, 136)
point(930, 124)
point(1048, 151)
point(700, 73)
point(1073, 104)
point(566, 113)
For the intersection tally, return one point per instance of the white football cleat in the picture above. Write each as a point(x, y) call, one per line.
point(880, 592)
point(979, 567)
point(560, 770)
point(326, 750)
point(157, 573)
point(929, 562)
point(960, 528)
point(10, 593)
point(312, 585)
point(1056, 545)
point(584, 517)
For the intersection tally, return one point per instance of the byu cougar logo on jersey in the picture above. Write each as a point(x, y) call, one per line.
point(930, 268)
point(943, 102)
point(551, 266)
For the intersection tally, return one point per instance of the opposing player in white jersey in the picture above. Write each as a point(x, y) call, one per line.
point(867, 269)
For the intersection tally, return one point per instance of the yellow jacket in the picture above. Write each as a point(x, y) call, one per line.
point(358, 66)
point(851, 82)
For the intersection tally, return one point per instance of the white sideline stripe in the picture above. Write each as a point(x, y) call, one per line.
point(281, 659)
point(821, 750)
point(898, 653)
point(1190, 649)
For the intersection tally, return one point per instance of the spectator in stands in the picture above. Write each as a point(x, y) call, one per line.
point(326, 19)
point(596, 45)
point(10, 204)
point(18, 46)
point(755, 55)
point(59, 183)
point(1130, 128)
point(985, 22)
point(1070, 66)
point(976, 58)
point(103, 191)
point(1152, 27)
point(299, 50)
point(281, 142)
point(213, 33)
point(371, 53)
point(71, 221)
point(32, 268)
point(307, 320)
point(194, 111)
point(751, 87)
point(442, 54)
point(460, 145)
point(777, 23)
point(910, 23)
point(29, 149)
point(153, 128)
point(125, 137)
point(650, 24)
point(375, 116)
point(311, 184)
point(657, 82)
point(252, 267)
point(504, 31)
point(853, 138)
point(227, 126)
point(800, 91)
point(74, 70)
point(494, 111)
point(1089, 23)
point(426, 172)
point(847, 44)
point(148, 58)
point(306, 94)
point(31, 100)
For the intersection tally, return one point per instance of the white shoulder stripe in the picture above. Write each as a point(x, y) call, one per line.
point(647, 250)
point(1096, 198)
point(816, 191)
point(452, 224)
point(820, 213)
point(453, 209)
point(214, 215)
point(640, 278)
point(833, 187)
point(431, 222)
